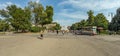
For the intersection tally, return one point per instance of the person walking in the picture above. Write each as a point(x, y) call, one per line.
point(41, 35)
point(63, 32)
point(57, 32)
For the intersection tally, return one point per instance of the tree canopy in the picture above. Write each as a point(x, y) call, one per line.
point(42, 16)
point(20, 18)
point(90, 20)
point(101, 21)
point(115, 23)
point(3, 25)
point(23, 18)
point(57, 27)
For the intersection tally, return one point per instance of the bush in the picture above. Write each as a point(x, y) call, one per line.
point(35, 29)
point(104, 32)
point(118, 32)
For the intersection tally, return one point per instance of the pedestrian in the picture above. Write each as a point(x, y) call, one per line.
point(41, 34)
point(57, 32)
point(63, 32)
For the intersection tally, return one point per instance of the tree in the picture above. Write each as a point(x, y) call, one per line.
point(3, 25)
point(82, 23)
point(37, 11)
point(41, 16)
point(101, 21)
point(4, 13)
point(57, 27)
point(4, 22)
point(47, 16)
point(49, 10)
point(20, 18)
point(74, 26)
point(90, 20)
point(115, 23)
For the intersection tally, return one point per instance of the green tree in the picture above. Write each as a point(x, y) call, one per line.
point(42, 16)
point(101, 21)
point(39, 14)
point(4, 13)
point(3, 25)
point(90, 20)
point(47, 16)
point(20, 18)
point(74, 26)
point(49, 10)
point(57, 27)
point(37, 11)
point(115, 23)
point(82, 23)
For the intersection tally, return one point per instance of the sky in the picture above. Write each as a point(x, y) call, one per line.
point(67, 12)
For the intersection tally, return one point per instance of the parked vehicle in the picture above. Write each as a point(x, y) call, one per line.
point(86, 31)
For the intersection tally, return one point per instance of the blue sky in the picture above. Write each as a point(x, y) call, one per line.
point(67, 12)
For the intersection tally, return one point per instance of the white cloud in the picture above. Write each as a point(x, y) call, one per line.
point(9, 3)
point(95, 5)
point(64, 22)
point(99, 6)
point(36, 1)
point(4, 5)
point(65, 17)
point(72, 15)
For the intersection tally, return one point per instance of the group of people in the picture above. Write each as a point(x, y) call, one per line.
point(57, 32)
point(63, 31)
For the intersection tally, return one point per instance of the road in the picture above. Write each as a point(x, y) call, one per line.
point(59, 45)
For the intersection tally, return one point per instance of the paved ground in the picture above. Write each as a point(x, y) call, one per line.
point(59, 45)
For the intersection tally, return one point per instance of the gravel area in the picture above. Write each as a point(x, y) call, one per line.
point(28, 44)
